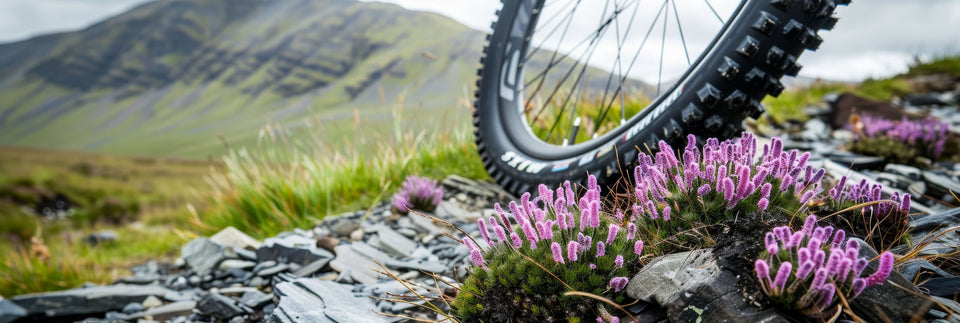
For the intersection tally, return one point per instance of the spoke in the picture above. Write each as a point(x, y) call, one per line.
point(596, 35)
point(714, 12)
point(636, 55)
point(583, 70)
point(603, 113)
point(680, 28)
point(567, 18)
point(663, 42)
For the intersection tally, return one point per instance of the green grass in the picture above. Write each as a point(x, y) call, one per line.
point(789, 105)
point(154, 192)
point(297, 183)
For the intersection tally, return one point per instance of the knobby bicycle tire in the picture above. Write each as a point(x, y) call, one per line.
point(758, 45)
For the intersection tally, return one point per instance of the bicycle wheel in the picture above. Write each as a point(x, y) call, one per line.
point(557, 101)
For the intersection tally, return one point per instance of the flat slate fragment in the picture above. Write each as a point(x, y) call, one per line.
point(86, 301)
point(311, 300)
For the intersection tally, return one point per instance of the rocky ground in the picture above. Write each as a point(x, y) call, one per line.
point(326, 274)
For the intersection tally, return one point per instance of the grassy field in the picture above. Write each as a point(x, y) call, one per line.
point(156, 205)
point(142, 199)
point(789, 105)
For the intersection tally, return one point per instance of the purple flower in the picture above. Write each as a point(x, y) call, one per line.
point(763, 203)
point(763, 271)
point(782, 275)
point(771, 242)
point(618, 262)
point(703, 190)
point(809, 224)
point(573, 248)
point(601, 249)
point(638, 247)
point(557, 253)
point(477, 258)
point(631, 231)
point(484, 232)
point(886, 265)
point(502, 236)
point(612, 231)
point(418, 193)
point(516, 240)
point(618, 283)
point(666, 213)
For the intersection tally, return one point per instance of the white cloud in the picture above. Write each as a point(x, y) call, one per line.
point(21, 19)
point(873, 37)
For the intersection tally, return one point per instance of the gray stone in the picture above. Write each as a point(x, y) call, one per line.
point(910, 172)
point(9, 311)
point(309, 300)
point(663, 279)
point(815, 130)
point(86, 301)
point(132, 308)
point(395, 243)
point(425, 224)
point(947, 304)
point(103, 236)
point(203, 255)
point(293, 248)
point(221, 307)
point(453, 212)
point(151, 301)
point(370, 252)
point(914, 267)
point(270, 271)
point(312, 267)
point(359, 267)
point(181, 296)
point(344, 227)
point(229, 264)
point(694, 289)
point(356, 235)
point(255, 299)
point(166, 312)
point(895, 299)
point(424, 265)
point(934, 221)
point(941, 184)
point(232, 237)
point(235, 290)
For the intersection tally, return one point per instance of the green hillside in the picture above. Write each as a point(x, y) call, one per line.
point(169, 77)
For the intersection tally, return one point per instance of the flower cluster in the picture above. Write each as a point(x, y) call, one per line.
point(882, 221)
point(722, 179)
point(806, 279)
point(543, 245)
point(929, 131)
point(418, 193)
point(902, 141)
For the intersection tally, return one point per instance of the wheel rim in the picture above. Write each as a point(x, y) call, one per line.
point(563, 79)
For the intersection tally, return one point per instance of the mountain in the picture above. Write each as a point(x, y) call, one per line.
point(175, 77)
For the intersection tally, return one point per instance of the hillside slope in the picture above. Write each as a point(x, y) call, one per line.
point(176, 77)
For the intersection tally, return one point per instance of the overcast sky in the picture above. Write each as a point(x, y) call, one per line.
point(874, 37)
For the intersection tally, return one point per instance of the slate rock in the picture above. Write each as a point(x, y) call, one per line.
point(312, 267)
point(255, 299)
point(663, 279)
point(203, 255)
point(694, 289)
point(103, 236)
point(132, 308)
point(453, 212)
point(359, 267)
point(940, 220)
point(166, 312)
point(151, 301)
point(310, 300)
point(233, 237)
point(895, 300)
point(9, 311)
point(221, 307)
point(292, 248)
point(942, 286)
point(86, 301)
point(395, 243)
